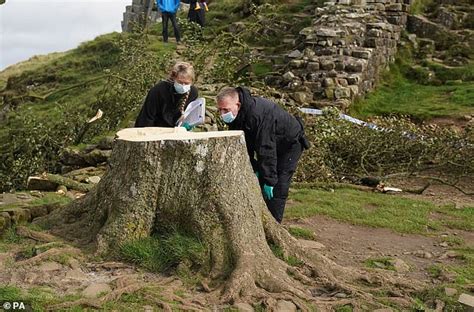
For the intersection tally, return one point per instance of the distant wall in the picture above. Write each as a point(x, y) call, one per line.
point(136, 12)
point(346, 48)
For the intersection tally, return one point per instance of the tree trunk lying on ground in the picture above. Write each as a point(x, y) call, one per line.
point(162, 178)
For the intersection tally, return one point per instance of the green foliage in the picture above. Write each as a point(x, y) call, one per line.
point(302, 233)
point(120, 67)
point(10, 293)
point(402, 215)
point(11, 237)
point(162, 253)
point(421, 6)
point(402, 147)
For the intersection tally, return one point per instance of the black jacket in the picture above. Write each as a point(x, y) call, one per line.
point(269, 131)
point(160, 108)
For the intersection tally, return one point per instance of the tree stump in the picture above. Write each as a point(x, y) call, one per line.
point(163, 178)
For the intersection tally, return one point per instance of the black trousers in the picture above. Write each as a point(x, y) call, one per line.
point(165, 16)
point(286, 166)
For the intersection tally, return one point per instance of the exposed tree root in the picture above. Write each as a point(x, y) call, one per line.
point(35, 235)
point(49, 254)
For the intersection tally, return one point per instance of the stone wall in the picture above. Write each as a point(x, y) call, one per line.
point(136, 12)
point(341, 55)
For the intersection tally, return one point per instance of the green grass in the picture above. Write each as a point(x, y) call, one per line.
point(400, 95)
point(302, 233)
point(49, 198)
point(400, 214)
point(380, 263)
point(162, 253)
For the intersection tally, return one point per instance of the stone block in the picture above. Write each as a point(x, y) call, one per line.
point(342, 93)
point(353, 79)
point(393, 7)
point(363, 54)
point(327, 64)
point(342, 82)
point(297, 63)
point(312, 66)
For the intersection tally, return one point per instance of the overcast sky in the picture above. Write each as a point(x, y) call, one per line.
point(32, 27)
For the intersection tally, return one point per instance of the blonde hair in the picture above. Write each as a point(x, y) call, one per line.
point(182, 69)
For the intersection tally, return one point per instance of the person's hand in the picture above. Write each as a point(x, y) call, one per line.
point(268, 191)
point(187, 126)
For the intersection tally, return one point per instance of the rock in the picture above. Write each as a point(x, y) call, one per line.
point(299, 97)
point(8, 198)
point(363, 54)
point(383, 310)
point(312, 66)
point(243, 307)
point(310, 244)
point(326, 32)
point(444, 244)
point(49, 266)
point(19, 215)
point(295, 54)
point(297, 63)
point(285, 306)
point(327, 65)
point(450, 292)
point(400, 265)
point(94, 289)
point(38, 211)
point(467, 300)
point(342, 93)
point(448, 255)
point(93, 180)
point(288, 76)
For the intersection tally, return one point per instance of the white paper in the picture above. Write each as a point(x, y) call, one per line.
point(195, 113)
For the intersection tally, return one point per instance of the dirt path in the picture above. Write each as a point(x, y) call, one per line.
point(352, 245)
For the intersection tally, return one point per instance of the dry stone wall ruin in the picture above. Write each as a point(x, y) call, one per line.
point(344, 51)
point(136, 12)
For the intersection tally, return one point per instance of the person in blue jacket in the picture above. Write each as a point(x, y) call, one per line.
point(168, 10)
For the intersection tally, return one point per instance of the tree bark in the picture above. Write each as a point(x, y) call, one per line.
point(203, 183)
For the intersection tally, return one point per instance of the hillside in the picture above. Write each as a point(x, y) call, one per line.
point(376, 62)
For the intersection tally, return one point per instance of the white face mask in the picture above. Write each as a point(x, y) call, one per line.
point(181, 88)
point(228, 117)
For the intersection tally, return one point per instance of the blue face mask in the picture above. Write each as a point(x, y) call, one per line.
point(180, 88)
point(228, 117)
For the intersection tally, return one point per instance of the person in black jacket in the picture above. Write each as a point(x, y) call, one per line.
point(167, 100)
point(197, 11)
point(273, 136)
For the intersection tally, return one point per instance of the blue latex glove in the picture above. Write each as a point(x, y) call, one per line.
point(257, 174)
point(268, 191)
point(187, 126)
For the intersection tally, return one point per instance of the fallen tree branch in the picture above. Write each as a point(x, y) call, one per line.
point(69, 183)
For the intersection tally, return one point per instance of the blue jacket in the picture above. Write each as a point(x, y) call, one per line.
point(170, 6)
